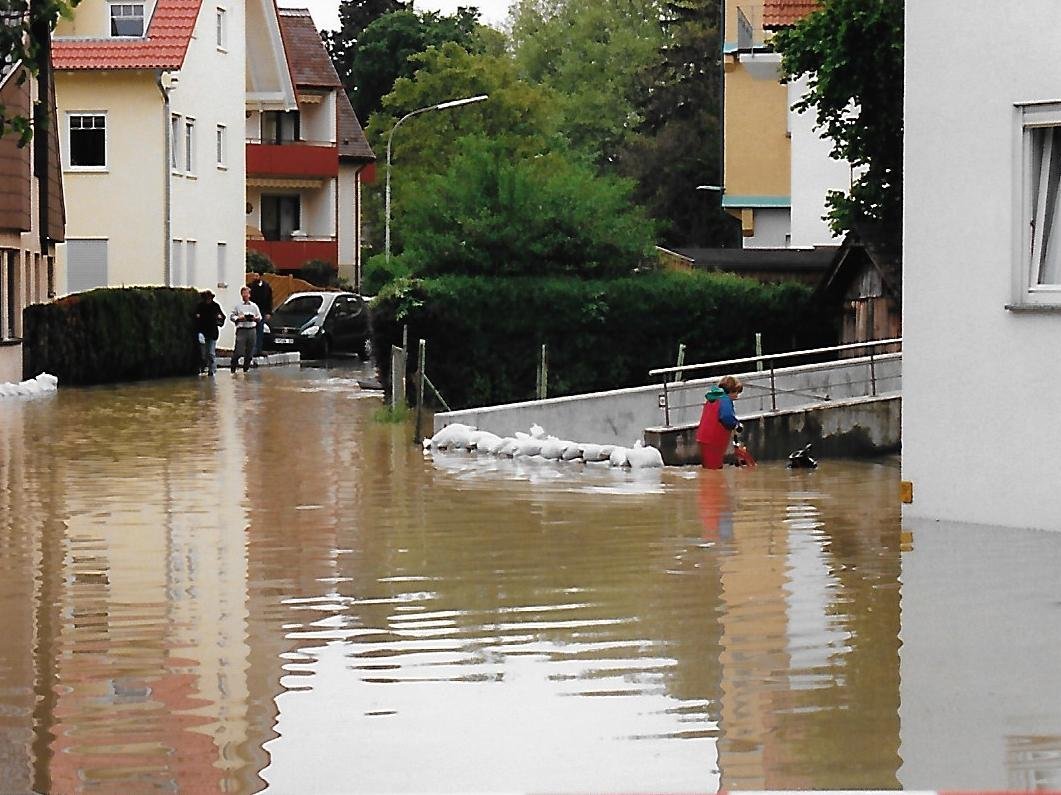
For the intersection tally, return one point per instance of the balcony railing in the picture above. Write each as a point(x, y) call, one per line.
point(292, 159)
point(293, 254)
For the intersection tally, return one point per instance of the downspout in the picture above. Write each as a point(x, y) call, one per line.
point(722, 117)
point(42, 132)
point(166, 179)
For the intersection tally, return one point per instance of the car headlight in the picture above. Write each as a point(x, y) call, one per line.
point(266, 329)
point(312, 331)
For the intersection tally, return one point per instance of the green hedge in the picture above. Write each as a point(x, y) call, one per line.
point(113, 334)
point(484, 334)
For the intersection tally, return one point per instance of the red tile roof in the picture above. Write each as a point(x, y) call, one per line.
point(352, 141)
point(310, 63)
point(783, 13)
point(164, 46)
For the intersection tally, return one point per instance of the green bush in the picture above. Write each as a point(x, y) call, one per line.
point(257, 262)
point(319, 273)
point(113, 334)
point(378, 272)
point(484, 334)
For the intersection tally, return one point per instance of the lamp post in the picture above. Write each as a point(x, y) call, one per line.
point(453, 103)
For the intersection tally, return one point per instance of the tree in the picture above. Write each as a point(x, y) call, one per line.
point(25, 36)
point(354, 17)
point(385, 48)
point(492, 214)
point(678, 144)
point(590, 53)
point(851, 52)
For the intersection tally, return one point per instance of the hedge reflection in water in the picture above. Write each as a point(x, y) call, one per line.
point(218, 586)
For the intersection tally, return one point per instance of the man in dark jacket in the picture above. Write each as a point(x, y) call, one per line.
point(208, 318)
point(262, 295)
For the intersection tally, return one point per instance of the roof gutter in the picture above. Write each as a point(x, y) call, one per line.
point(166, 180)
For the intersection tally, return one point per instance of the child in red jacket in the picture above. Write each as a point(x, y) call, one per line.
point(717, 422)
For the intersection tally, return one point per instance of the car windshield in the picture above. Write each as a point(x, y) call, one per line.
point(297, 309)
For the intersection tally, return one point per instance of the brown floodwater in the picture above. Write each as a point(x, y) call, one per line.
point(250, 584)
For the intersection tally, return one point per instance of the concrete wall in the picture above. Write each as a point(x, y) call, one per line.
point(845, 428)
point(973, 365)
point(621, 416)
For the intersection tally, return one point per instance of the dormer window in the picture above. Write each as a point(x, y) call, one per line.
point(127, 19)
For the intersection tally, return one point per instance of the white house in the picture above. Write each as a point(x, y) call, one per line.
point(982, 263)
point(151, 100)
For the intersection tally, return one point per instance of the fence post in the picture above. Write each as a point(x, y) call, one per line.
point(421, 359)
point(873, 369)
point(542, 387)
point(666, 404)
point(681, 360)
point(397, 377)
point(773, 387)
point(759, 350)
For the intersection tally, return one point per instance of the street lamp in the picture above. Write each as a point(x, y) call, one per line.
point(440, 106)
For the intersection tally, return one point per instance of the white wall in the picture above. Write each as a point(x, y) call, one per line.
point(981, 429)
point(349, 221)
point(814, 173)
point(318, 210)
point(208, 206)
point(772, 228)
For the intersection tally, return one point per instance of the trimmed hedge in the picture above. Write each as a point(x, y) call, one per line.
point(484, 334)
point(113, 334)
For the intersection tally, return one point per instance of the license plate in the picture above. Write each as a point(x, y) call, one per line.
point(283, 341)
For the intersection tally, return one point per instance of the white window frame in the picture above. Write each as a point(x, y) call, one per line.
point(70, 116)
point(189, 146)
point(110, 19)
point(221, 28)
point(176, 125)
point(222, 262)
point(221, 145)
point(1037, 205)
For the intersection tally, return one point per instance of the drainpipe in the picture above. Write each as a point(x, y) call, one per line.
point(166, 177)
point(42, 123)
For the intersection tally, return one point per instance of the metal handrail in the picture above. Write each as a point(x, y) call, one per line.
point(665, 398)
point(789, 355)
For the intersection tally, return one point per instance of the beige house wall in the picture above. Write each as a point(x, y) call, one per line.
point(758, 151)
point(122, 202)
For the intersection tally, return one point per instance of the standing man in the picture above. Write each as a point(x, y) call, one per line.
point(208, 318)
point(246, 316)
point(262, 295)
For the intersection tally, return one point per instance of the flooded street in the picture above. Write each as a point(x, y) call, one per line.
point(250, 584)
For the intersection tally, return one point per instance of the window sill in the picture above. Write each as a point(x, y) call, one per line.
point(1034, 309)
point(190, 176)
point(221, 167)
point(6, 341)
point(87, 169)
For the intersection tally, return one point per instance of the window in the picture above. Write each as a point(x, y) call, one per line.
point(222, 257)
point(222, 36)
point(127, 19)
point(189, 146)
point(1039, 254)
point(86, 264)
point(88, 140)
point(280, 126)
point(281, 215)
point(191, 277)
point(174, 142)
point(221, 146)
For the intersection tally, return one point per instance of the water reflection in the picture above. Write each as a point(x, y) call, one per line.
point(248, 584)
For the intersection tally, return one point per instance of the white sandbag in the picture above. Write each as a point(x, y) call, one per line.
point(594, 452)
point(527, 447)
point(572, 452)
point(48, 382)
point(451, 435)
point(619, 456)
point(553, 448)
point(507, 448)
point(537, 431)
point(644, 457)
point(486, 442)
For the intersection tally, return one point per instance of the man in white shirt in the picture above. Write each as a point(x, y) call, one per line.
point(245, 315)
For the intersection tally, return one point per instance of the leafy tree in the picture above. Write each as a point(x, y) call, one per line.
point(385, 47)
point(259, 262)
point(851, 52)
point(493, 214)
point(678, 145)
point(590, 53)
point(354, 17)
point(25, 35)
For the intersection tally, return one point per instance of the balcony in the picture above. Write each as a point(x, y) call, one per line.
point(290, 255)
point(301, 159)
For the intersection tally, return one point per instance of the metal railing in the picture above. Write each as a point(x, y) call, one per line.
point(766, 364)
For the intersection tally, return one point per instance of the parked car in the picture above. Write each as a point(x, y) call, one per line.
point(317, 324)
